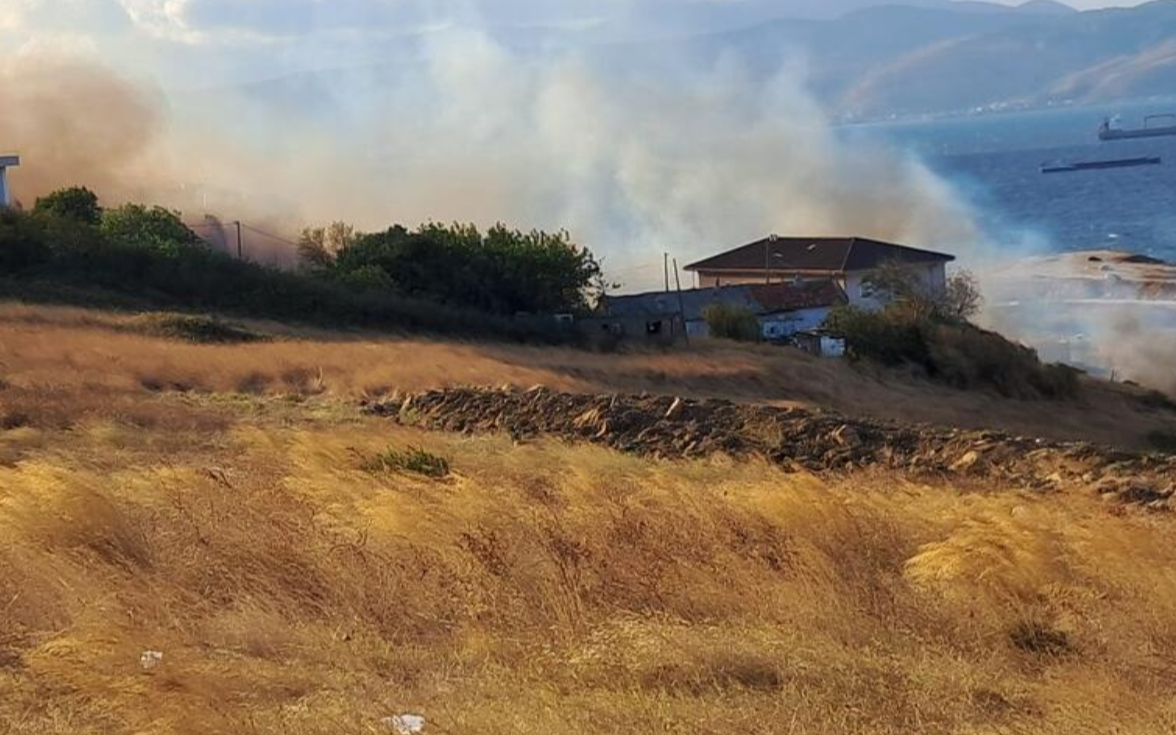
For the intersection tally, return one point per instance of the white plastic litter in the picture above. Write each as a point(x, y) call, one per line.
point(406, 724)
point(150, 659)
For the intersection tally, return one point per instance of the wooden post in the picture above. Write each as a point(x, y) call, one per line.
point(681, 306)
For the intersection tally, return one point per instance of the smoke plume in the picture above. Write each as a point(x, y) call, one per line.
point(633, 162)
point(76, 123)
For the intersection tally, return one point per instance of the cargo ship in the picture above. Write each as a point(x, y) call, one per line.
point(1059, 168)
point(1107, 131)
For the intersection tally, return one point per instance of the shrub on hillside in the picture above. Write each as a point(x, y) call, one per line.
point(23, 244)
point(76, 203)
point(149, 228)
point(966, 356)
point(951, 351)
point(891, 339)
point(501, 271)
point(197, 329)
point(732, 322)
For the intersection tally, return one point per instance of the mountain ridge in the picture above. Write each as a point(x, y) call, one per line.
point(871, 62)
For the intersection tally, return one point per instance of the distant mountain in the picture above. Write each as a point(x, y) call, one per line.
point(1096, 56)
point(888, 60)
point(1047, 7)
point(872, 61)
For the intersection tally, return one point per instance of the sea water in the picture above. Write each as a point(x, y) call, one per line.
point(995, 162)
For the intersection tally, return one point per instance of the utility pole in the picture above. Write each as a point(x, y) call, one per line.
point(666, 267)
point(681, 306)
point(240, 249)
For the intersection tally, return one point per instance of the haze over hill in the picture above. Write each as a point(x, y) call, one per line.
point(865, 60)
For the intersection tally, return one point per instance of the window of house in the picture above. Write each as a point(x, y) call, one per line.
point(652, 328)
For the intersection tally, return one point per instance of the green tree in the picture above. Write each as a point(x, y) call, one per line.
point(75, 203)
point(149, 228)
point(503, 271)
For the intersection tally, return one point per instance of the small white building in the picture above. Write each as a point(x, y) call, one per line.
point(6, 162)
point(849, 261)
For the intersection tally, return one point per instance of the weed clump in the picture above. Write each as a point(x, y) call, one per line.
point(732, 322)
point(197, 329)
point(415, 460)
point(1033, 636)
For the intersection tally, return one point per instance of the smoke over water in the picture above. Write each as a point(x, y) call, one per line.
point(632, 162)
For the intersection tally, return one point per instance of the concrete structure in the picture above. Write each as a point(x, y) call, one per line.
point(6, 162)
point(848, 261)
point(782, 308)
point(610, 330)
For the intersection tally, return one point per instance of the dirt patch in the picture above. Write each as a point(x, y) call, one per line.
point(792, 438)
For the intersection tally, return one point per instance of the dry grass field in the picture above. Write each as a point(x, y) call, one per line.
point(221, 505)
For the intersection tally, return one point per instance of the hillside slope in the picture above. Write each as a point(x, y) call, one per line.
point(85, 355)
point(233, 510)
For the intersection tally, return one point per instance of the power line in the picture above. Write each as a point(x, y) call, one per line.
point(270, 235)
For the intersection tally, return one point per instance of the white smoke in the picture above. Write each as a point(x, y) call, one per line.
point(632, 161)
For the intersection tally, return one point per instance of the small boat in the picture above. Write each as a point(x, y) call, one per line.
point(1059, 168)
point(1107, 131)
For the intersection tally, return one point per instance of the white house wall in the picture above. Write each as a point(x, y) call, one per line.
point(932, 277)
point(776, 326)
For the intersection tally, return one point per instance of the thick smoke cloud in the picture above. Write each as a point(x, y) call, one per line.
point(632, 162)
point(76, 123)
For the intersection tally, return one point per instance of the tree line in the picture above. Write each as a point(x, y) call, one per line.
point(443, 278)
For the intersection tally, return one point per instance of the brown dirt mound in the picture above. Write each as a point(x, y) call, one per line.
point(795, 439)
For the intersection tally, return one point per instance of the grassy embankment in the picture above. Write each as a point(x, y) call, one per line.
point(227, 505)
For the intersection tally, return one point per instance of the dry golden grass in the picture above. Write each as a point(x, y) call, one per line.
point(549, 589)
point(59, 350)
point(296, 587)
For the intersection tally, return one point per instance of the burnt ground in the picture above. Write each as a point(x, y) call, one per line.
point(794, 439)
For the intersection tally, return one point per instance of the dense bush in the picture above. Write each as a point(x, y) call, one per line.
point(732, 322)
point(951, 351)
point(77, 203)
point(23, 244)
point(501, 271)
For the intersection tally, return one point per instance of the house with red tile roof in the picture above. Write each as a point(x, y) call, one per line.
point(848, 261)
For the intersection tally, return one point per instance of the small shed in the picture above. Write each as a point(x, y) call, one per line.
point(819, 343)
